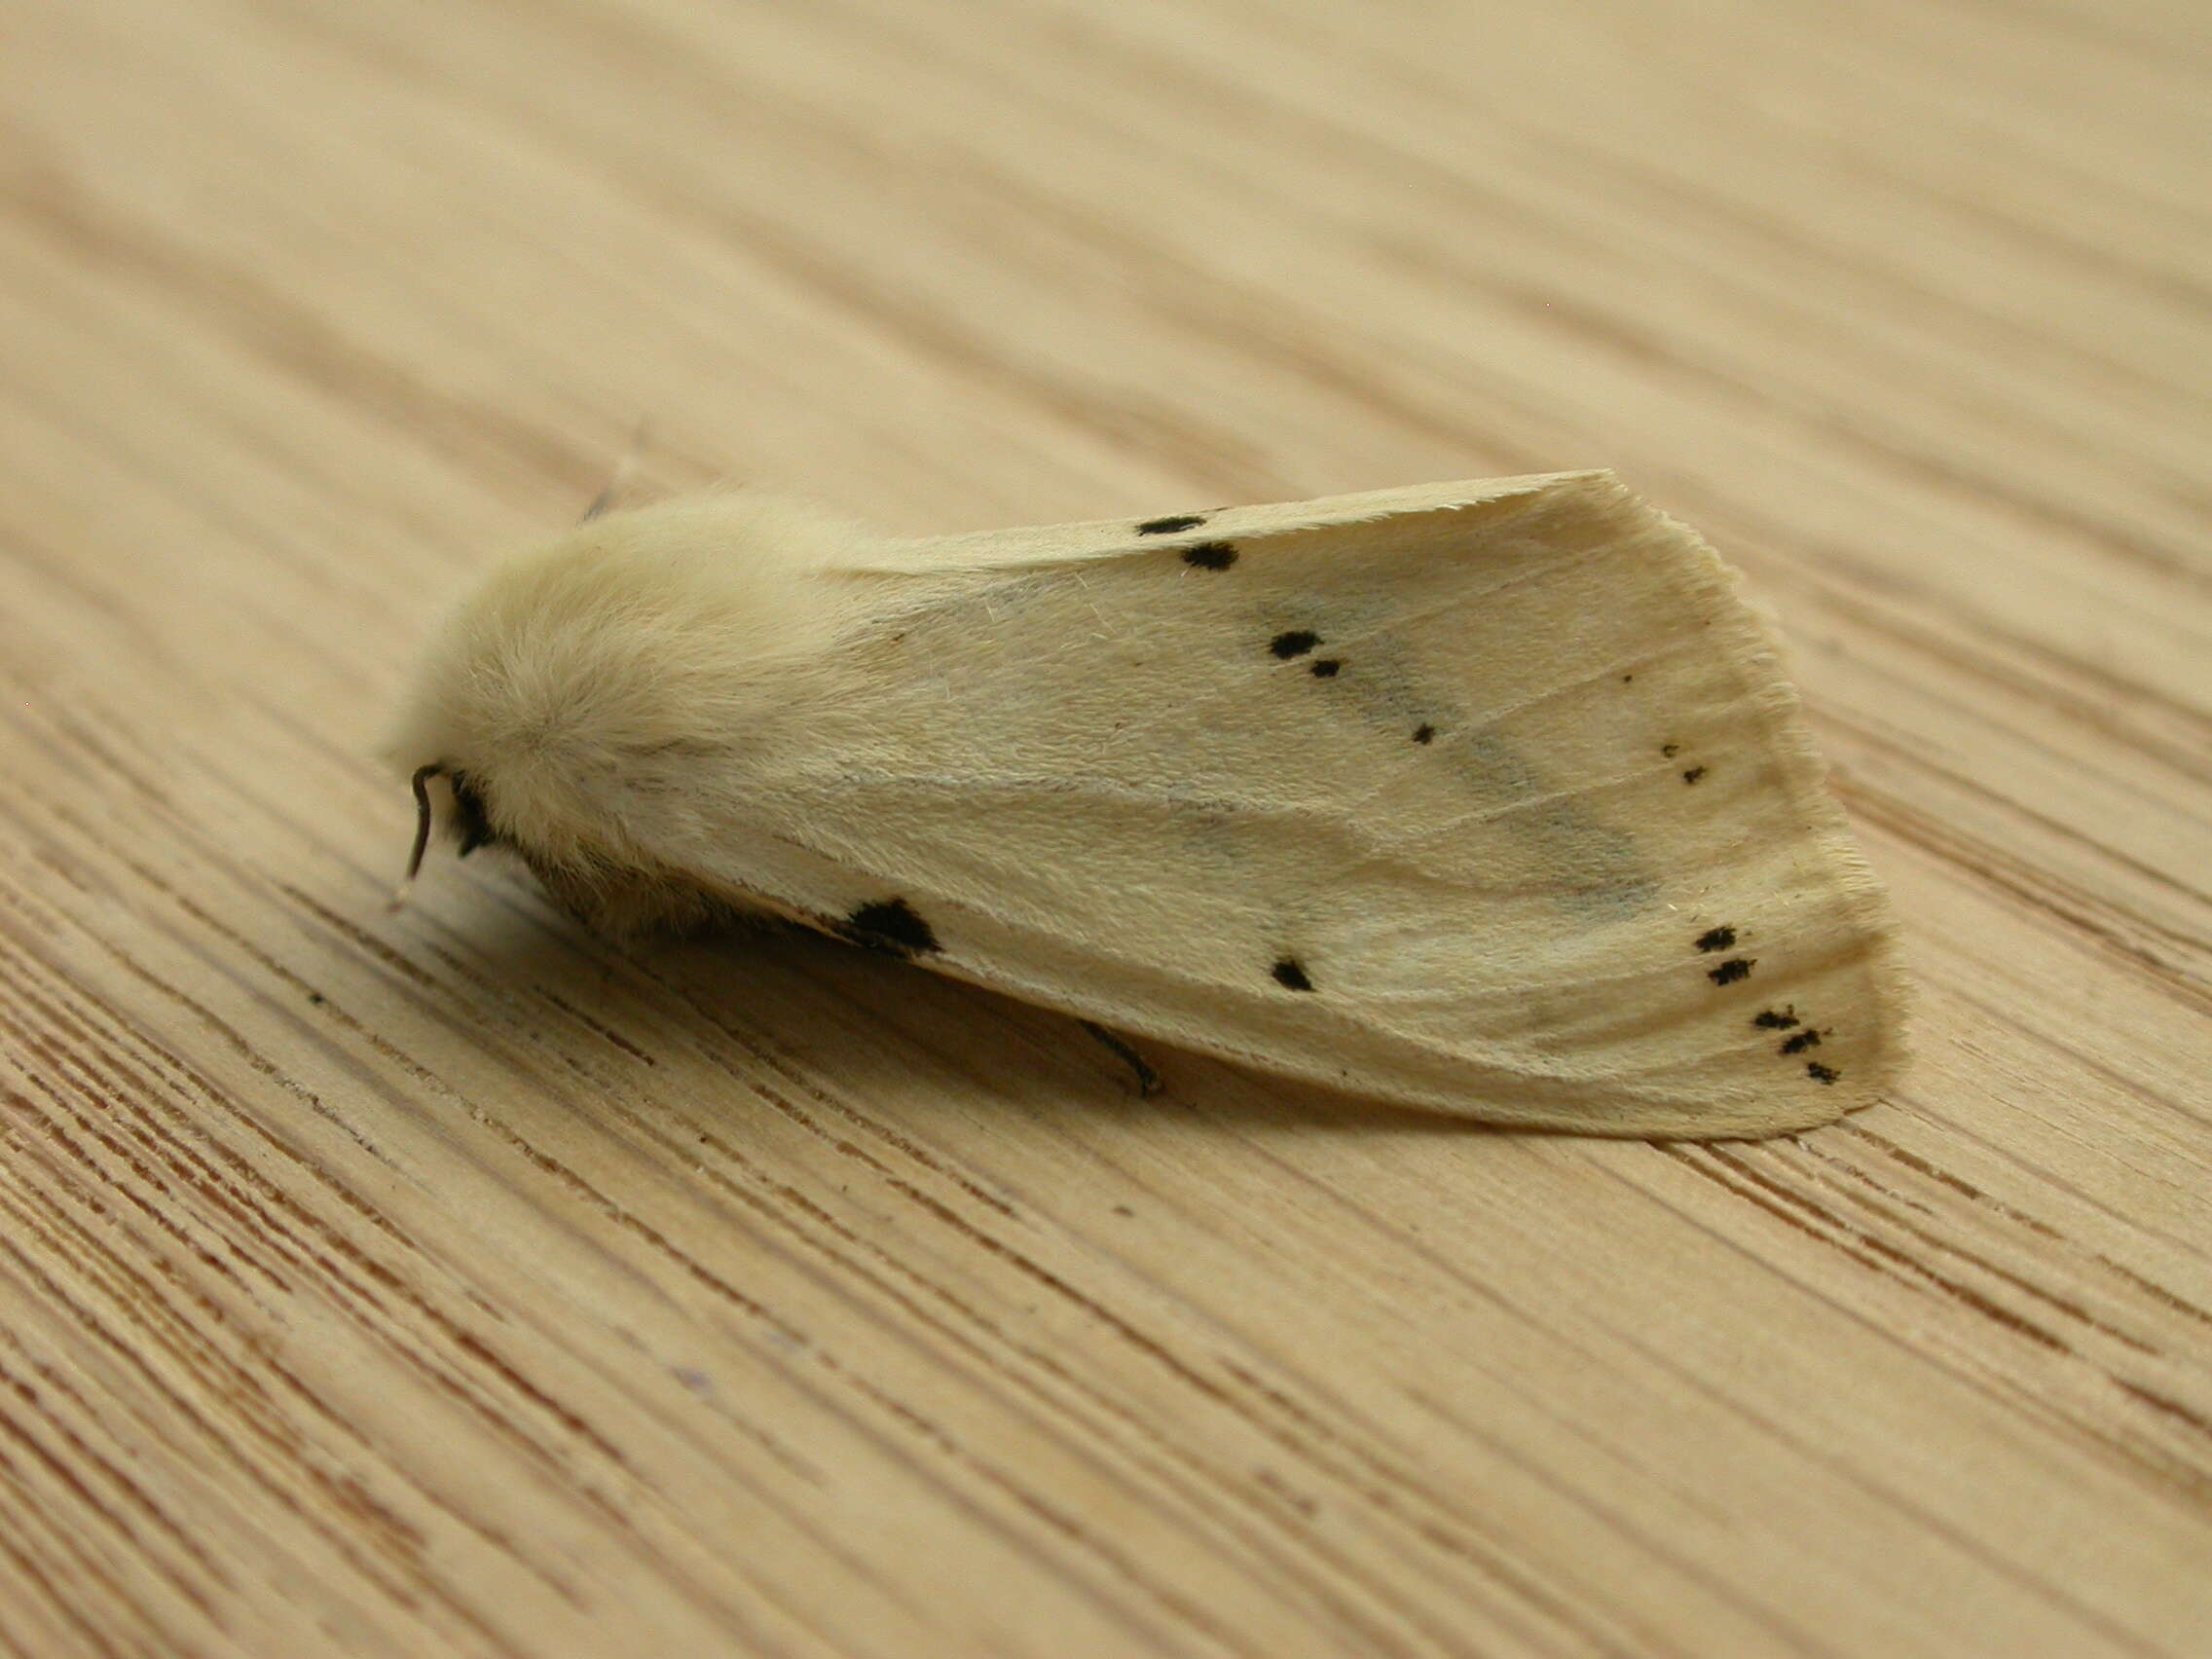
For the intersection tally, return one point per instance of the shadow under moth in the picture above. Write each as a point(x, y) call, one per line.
point(1486, 798)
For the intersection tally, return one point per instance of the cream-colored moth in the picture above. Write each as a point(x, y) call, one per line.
point(1486, 797)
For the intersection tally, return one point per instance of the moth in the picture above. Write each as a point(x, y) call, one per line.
point(1486, 798)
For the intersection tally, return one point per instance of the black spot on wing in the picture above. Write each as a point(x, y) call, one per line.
point(1773, 1022)
point(1210, 554)
point(1694, 774)
point(1670, 750)
point(1719, 938)
point(1169, 526)
point(1424, 733)
point(1326, 668)
point(1290, 974)
point(891, 926)
point(1799, 1044)
point(1296, 643)
point(1819, 1073)
point(1734, 968)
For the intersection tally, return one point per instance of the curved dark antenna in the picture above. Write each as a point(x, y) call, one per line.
point(424, 824)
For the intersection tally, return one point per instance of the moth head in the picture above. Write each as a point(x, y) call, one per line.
point(471, 824)
point(595, 702)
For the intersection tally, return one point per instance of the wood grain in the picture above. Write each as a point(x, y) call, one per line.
point(453, 1283)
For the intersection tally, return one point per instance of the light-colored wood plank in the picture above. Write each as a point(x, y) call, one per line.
point(451, 1282)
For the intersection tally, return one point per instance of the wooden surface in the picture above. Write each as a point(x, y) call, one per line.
point(451, 1283)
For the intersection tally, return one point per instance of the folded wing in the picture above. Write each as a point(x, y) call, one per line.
point(1486, 798)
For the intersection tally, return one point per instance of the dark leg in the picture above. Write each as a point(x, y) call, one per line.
point(602, 501)
point(1148, 1080)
